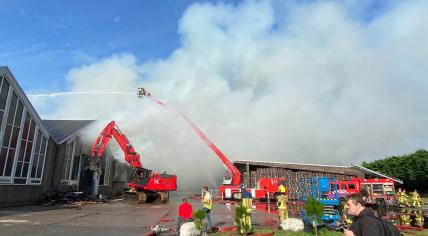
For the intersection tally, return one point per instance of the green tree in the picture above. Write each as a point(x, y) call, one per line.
point(199, 216)
point(411, 168)
point(314, 211)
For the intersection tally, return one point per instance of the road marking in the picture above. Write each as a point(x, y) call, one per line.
point(13, 221)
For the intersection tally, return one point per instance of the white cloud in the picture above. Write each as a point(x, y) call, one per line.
point(313, 86)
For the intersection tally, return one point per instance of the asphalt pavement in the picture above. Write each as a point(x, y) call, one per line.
point(113, 218)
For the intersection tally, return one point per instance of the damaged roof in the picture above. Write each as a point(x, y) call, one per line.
point(298, 166)
point(61, 130)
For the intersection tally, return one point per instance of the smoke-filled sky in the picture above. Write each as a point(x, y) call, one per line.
point(326, 82)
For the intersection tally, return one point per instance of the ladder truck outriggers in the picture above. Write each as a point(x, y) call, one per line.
point(144, 184)
point(232, 183)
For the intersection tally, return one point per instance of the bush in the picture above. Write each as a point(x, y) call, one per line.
point(199, 215)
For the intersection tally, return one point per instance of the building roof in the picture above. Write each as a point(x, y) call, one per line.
point(61, 130)
point(375, 173)
point(346, 170)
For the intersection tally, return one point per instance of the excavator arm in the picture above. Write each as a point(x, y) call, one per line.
point(131, 156)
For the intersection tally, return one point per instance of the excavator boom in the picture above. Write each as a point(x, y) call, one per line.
point(104, 137)
point(144, 183)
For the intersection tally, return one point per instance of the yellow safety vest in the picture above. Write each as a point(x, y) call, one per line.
point(248, 204)
point(282, 202)
point(207, 201)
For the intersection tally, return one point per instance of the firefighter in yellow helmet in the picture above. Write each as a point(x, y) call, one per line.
point(416, 199)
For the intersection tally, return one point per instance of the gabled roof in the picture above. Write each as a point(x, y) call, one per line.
point(61, 130)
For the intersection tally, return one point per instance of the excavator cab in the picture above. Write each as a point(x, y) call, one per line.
point(140, 176)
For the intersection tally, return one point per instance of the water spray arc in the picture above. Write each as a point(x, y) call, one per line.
point(52, 95)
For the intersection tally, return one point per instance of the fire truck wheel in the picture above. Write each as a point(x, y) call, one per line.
point(380, 201)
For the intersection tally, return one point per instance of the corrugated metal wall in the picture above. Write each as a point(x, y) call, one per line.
point(292, 177)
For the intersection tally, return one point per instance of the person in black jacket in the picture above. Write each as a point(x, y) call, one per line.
point(365, 222)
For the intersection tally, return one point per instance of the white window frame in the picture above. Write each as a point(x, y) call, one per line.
point(69, 164)
point(35, 180)
point(5, 179)
point(10, 179)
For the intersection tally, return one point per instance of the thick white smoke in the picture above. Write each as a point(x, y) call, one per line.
point(311, 84)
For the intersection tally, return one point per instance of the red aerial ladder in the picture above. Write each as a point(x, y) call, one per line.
point(232, 182)
point(144, 183)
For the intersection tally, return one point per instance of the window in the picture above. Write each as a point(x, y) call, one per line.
point(389, 189)
point(352, 186)
point(105, 168)
point(72, 162)
point(10, 139)
point(38, 158)
point(377, 189)
point(25, 149)
point(4, 91)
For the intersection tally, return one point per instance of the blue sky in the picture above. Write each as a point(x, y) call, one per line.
point(42, 40)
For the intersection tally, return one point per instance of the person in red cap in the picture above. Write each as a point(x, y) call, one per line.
point(185, 211)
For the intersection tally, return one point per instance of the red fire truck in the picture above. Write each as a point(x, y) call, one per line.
point(381, 191)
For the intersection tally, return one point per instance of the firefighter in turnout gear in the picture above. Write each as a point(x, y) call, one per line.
point(247, 203)
point(416, 199)
point(402, 197)
point(405, 218)
point(419, 218)
point(282, 207)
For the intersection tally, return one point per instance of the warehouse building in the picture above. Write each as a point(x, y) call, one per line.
point(37, 154)
point(252, 171)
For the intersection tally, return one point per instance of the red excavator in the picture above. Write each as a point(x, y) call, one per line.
point(232, 183)
point(145, 184)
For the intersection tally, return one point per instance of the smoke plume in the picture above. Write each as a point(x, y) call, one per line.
point(305, 83)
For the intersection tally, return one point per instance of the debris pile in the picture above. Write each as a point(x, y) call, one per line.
point(66, 194)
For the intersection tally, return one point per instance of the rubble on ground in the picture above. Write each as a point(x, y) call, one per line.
point(66, 194)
